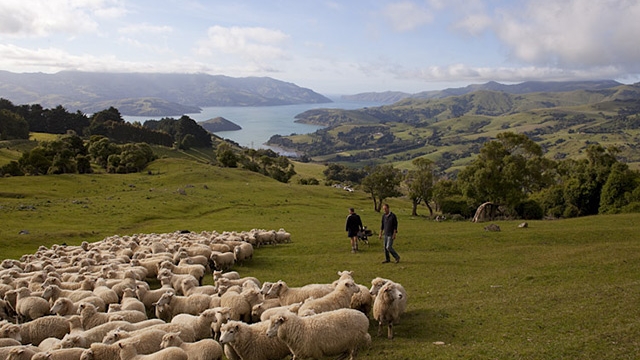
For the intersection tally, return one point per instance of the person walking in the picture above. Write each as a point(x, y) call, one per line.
point(389, 228)
point(353, 226)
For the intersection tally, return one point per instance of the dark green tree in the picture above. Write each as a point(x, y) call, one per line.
point(419, 182)
point(382, 182)
point(13, 126)
point(225, 155)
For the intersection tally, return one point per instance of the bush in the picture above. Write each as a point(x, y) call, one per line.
point(529, 210)
point(457, 206)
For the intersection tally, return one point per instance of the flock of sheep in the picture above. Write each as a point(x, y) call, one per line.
point(94, 301)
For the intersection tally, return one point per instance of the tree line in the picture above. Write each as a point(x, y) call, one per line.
point(511, 172)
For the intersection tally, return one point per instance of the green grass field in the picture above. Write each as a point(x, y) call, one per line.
point(564, 289)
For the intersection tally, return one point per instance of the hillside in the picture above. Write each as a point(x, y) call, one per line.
point(521, 88)
point(175, 94)
point(450, 131)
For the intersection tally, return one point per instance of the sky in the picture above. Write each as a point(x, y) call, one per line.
point(332, 47)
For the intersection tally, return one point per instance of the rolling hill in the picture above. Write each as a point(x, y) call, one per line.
point(451, 130)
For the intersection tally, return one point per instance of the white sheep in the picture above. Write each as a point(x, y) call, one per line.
point(149, 340)
point(242, 252)
point(289, 295)
point(30, 307)
point(267, 314)
point(217, 274)
point(33, 332)
point(170, 305)
point(342, 331)
point(260, 307)
point(50, 344)
point(128, 352)
point(205, 349)
point(201, 324)
point(18, 352)
point(250, 342)
point(59, 354)
point(167, 277)
point(222, 261)
point(92, 318)
point(130, 301)
point(149, 297)
point(337, 299)
point(388, 305)
point(190, 287)
point(66, 307)
point(53, 292)
point(240, 303)
point(195, 270)
point(223, 315)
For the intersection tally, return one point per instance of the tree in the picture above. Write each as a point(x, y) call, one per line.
point(225, 155)
point(506, 171)
point(420, 184)
point(383, 181)
point(13, 126)
point(617, 190)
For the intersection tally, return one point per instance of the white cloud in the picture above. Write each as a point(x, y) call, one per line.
point(573, 33)
point(38, 18)
point(255, 44)
point(145, 28)
point(406, 15)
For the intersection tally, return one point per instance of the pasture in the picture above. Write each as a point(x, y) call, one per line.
point(564, 289)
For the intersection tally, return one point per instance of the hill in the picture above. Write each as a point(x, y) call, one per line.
point(219, 124)
point(173, 94)
point(521, 88)
point(451, 130)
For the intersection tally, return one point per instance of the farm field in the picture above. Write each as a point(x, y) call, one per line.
point(563, 289)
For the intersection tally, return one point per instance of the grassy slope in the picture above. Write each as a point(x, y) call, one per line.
point(558, 289)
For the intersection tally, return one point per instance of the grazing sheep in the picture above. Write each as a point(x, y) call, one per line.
point(59, 354)
point(128, 352)
point(30, 307)
point(223, 261)
point(53, 292)
point(166, 276)
point(4, 342)
point(217, 274)
point(292, 295)
point(250, 342)
point(170, 305)
point(149, 297)
point(149, 340)
point(243, 252)
point(223, 315)
point(337, 299)
point(201, 324)
point(282, 236)
point(205, 349)
point(66, 307)
point(33, 332)
point(190, 287)
point(267, 314)
point(388, 306)
point(50, 344)
point(260, 308)
point(19, 352)
point(338, 332)
point(240, 303)
point(196, 270)
point(130, 301)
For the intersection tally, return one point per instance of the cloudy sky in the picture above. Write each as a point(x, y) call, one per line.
point(333, 47)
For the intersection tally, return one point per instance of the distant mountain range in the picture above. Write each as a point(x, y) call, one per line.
point(150, 94)
point(389, 97)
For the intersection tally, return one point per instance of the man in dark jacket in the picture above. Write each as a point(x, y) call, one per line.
point(389, 228)
point(354, 225)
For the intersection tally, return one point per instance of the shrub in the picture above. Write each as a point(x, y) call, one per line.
point(529, 210)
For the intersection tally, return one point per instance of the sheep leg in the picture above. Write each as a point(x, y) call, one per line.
point(390, 331)
point(344, 356)
point(379, 328)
